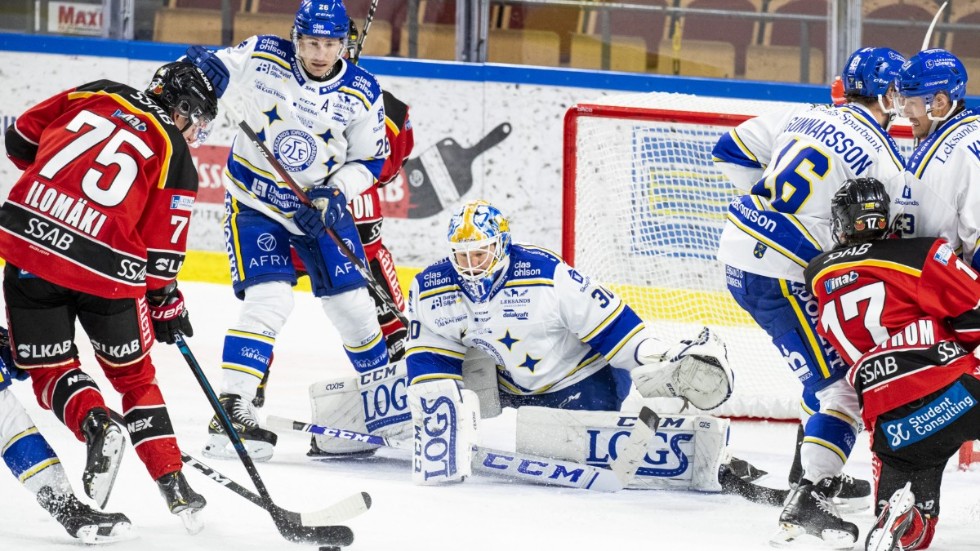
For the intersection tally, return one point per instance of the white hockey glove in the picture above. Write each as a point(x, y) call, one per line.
point(696, 370)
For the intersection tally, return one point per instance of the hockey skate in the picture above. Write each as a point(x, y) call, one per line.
point(83, 522)
point(182, 500)
point(259, 443)
point(104, 440)
point(810, 511)
point(896, 518)
point(854, 496)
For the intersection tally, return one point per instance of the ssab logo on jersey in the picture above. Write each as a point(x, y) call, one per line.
point(295, 149)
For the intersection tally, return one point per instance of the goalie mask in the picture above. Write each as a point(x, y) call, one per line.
point(859, 211)
point(479, 239)
point(182, 89)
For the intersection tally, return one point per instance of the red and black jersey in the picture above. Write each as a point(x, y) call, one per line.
point(105, 201)
point(367, 206)
point(903, 312)
point(398, 127)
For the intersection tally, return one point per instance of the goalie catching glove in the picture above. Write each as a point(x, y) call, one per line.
point(696, 370)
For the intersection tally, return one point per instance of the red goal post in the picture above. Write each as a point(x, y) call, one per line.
point(643, 209)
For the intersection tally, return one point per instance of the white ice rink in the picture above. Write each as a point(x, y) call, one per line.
point(478, 515)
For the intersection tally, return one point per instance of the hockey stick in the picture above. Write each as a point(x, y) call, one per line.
point(512, 465)
point(341, 511)
point(364, 31)
point(358, 265)
point(932, 26)
point(320, 535)
point(731, 483)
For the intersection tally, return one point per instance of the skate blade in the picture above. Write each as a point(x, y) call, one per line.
point(219, 447)
point(191, 518)
point(95, 534)
point(901, 502)
point(99, 486)
point(838, 539)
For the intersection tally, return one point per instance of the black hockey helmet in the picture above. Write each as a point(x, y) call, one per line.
point(180, 87)
point(859, 211)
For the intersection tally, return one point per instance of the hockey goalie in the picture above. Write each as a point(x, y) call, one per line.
point(512, 325)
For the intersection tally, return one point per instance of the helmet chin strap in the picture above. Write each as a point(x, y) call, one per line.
point(944, 118)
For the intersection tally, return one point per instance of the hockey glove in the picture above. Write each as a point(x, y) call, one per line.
point(694, 369)
point(331, 202)
point(211, 66)
point(168, 313)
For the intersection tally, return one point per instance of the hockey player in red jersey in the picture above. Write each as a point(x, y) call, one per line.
point(95, 231)
point(368, 217)
point(904, 314)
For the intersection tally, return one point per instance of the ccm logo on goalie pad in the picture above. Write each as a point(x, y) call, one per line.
point(438, 445)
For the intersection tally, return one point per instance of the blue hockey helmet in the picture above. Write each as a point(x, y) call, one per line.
point(479, 238)
point(870, 71)
point(322, 18)
point(930, 72)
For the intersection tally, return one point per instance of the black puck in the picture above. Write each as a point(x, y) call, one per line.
point(329, 548)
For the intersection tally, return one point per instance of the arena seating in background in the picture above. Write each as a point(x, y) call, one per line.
point(433, 42)
point(523, 47)
point(191, 21)
point(564, 21)
point(896, 37)
point(264, 17)
point(786, 34)
point(782, 64)
point(737, 32)
point(699, 58)
point(626, 53)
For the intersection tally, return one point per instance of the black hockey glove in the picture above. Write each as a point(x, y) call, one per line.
point(168, 313)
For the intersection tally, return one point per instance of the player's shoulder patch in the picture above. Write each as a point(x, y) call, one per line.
point(438, 275)
point(529, 262)
point(274, 45)
point(359, 82)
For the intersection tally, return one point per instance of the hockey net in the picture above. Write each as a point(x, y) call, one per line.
point(643, 212)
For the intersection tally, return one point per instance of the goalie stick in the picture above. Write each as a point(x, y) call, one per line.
point(295, 188)
point(320, 535)
point(341, 511)
point(514, 465)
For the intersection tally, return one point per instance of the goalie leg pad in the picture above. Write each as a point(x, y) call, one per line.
point(686, 452)
point(374, 402)
point(445, 422)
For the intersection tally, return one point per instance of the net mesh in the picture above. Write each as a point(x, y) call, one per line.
point(649, 207)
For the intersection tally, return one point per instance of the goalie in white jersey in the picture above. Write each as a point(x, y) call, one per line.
point(323, 119)
point(941, 197)
point(558, 338)
point(783, 221)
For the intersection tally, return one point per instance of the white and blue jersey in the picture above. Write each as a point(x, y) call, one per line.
point(784, 220)
point(546, 326)
point(941, 197)
point(330, 132)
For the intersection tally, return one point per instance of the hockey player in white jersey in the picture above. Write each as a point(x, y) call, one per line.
point(558, 338)
point(323, 119)
point(774, 229)
point(941, 196)
point(32, 461)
